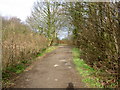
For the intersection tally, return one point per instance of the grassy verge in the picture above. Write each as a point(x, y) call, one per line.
point(11, 72)
point(85, 71)
point(46, 50)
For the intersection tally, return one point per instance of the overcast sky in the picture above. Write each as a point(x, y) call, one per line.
point(18, 8)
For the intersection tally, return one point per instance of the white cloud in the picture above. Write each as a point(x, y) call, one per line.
point(18, 8)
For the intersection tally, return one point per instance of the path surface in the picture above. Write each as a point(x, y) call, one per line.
point(55, 70)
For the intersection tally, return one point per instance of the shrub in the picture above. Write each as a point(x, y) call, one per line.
point(19, 42)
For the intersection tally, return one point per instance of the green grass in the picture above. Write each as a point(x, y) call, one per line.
point(44, 51)
point(85, 71)
point(13, 70)
point(16, 69)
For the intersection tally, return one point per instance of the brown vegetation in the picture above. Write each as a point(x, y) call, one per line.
point(19, 42)
point(94, 29)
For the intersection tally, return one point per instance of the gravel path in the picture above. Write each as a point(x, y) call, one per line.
point(54, 70)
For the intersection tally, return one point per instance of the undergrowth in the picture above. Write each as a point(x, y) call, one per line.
point(12, 71)
point(85, 71)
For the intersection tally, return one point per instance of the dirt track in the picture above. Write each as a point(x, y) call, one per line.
point(54, 70)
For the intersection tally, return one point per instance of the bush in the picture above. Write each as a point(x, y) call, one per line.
point(19, 42)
